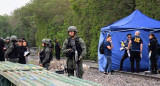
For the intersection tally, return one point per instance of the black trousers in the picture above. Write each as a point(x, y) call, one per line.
point(153, 60)
point(125, 56)
point(57, 55)
point(135, 55)
point(2, 57)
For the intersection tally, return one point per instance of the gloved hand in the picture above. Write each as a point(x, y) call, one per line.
point(72, 50)
point(128, 53)
point(122, 48)
point(149, 56)
point(126, 48)
point(80, 57)
point(141, 55)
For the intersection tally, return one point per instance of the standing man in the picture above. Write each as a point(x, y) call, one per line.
point(125, 55)
point(57, 49)
point(47, 55)
point(7, 41)
point(12, 50)
point(51, 46)
point(71, 47)
point(1, 50)
point(41, 53)
point(136, 45)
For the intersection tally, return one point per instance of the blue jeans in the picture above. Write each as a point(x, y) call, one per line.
point(149, 67)
point(109, 64)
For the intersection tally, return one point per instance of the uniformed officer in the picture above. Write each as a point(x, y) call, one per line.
point(47, 55)
point(12, 50)
point(125, 55)
point(57, 49)
point(51, 46)
point(136, 45)
point(41, 53)
point(70, 46)
point(7, 41)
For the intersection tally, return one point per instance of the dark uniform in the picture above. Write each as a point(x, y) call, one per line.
point(57, 50)
point(47, 57)
point(12, 53)
point(12, 50)
point(21, 56)
point(41, 55)
point(81, 48)
point(46, 54)
point(74, 47)
point(135, 52)
point(125, 55)
point(1, 50)
point(6, 44)
point(51, 46)
point(153, 47)
point(7, 41)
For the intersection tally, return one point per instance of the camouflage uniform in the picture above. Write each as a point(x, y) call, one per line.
point(47, 56)
point(6, 43)
point(70, 54)
point(41, 53)
point(12, 51)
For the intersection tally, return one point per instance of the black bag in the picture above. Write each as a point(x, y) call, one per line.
point(158, 49)
point(101, 49)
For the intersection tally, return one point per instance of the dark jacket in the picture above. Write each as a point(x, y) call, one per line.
point(21, 57)
point(153, 46)
point(1, 50)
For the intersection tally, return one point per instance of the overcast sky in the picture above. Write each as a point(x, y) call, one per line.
point(8, 6)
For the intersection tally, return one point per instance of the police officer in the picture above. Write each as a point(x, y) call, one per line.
point(12, 50)
point(136, 45)
point(57, 49)
point(1, 50)
point(41, 54)
point(47, 55)
point(125, 55)
point(70, 45)
point(7, 41)
point(51, 46)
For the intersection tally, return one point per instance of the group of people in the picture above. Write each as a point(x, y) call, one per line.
point(13, 50)
point(73, 47)
point(46, 54)
point(133, 49)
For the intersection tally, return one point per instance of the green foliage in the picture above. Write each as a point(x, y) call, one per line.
point(50, 19)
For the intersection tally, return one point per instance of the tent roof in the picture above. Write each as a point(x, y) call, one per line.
point(136, 20)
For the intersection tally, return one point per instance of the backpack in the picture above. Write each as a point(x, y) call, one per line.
point(101, 49)
point(158, 49)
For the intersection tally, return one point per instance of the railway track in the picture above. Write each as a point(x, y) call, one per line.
point(141, 74)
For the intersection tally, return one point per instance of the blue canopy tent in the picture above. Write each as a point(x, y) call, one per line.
point(136, 21)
